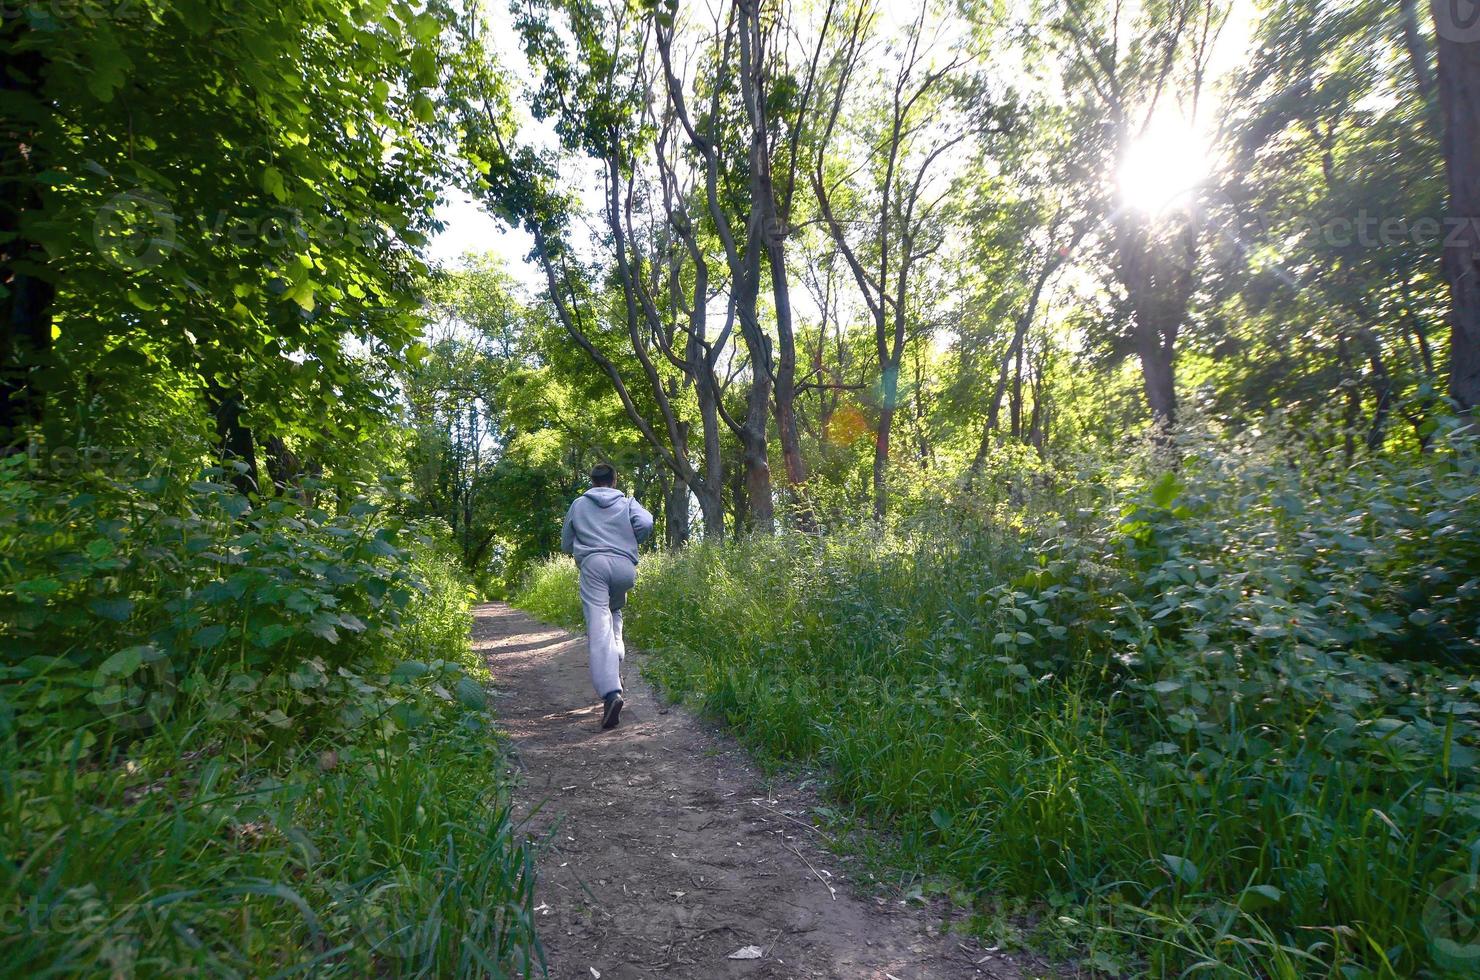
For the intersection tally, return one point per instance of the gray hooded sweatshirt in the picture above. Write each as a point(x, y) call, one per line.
point(605, 521)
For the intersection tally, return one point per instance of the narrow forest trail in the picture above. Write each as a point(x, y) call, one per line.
point(670, 853)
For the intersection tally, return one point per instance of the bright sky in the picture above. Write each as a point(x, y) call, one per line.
point(470, 229)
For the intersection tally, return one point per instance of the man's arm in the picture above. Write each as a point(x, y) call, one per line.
point(642, 521)
point(568, 532)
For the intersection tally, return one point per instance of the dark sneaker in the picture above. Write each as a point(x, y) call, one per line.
point(612, 711)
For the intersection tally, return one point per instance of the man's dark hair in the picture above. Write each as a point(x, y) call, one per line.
point(603, 475)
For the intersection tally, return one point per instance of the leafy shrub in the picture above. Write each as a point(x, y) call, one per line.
point(244, 739)
point(120, 599)
point(1214, 729)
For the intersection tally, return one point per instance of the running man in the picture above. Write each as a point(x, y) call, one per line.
point(602, 531)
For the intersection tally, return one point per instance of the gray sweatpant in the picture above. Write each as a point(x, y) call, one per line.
point(605, 580)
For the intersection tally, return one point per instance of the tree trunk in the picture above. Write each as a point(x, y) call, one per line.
point(236, 442)
point(1015, 403)
point(287, 470)
point(1157, 272)
point(1353, 409)
point(1034, 435)
point(25, 307)
point(771, 228)
point(1158, 378)
point(774, 235)
point(712, 509)
point(789, 434)
point(284, 468)
point(1382, 392)
point(710, 490)
point(675, 510)
point(1418, 51)
point(787, 431)
point(1459, 104)
point(754, 435)
point(761, 510)
point(1053, 259)
point(889, 392)
point(740, 499)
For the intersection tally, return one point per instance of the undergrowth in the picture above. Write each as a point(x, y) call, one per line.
point(1231, 727)
point(244, 739)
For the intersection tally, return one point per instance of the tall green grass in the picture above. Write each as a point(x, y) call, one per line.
point(1183, 731)
point(245, 742)
point(192, 858)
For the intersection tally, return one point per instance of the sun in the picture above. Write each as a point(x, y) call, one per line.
point(1162, 168)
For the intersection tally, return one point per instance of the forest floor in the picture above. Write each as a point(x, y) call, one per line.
point(666, 852)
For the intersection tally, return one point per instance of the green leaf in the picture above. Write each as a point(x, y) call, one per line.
point(471, 694)
point(1256, 897)
point(1166, 490)
point(272, 182)
point(242, 682)
point(114, 608)
point(408, 670)
point(124, 662)
point(273, 634)
point(235, 504)
point(37, 588)
point(109, 68)
point(425, 28)
point(424, 67)
point(302, 294)
point(323, 626)
point(1182, 868)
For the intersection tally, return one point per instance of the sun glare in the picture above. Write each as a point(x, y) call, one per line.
point(1163, 167)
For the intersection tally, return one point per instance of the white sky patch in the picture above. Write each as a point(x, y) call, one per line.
point(1231, 51)
point(473, 231)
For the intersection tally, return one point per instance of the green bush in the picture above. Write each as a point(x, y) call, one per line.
point(244, 739)
point(1196, 731)
point(124, 601)
point(551, 591)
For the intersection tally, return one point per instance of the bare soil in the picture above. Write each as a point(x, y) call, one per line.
point(667, 854)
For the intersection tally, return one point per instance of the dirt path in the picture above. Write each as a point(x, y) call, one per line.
point(669, 854)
